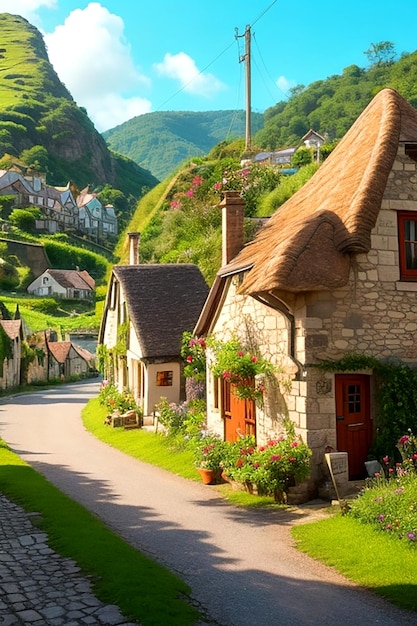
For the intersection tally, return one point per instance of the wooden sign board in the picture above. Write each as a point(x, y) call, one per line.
point(337, 463)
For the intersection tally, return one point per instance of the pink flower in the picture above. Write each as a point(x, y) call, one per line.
point(386, 459)
point(240, 353)
point(190, 193)
point(197, 180)
point(254, 359)
point(175, 204)
point(192, 342)
point(202, 343)
point(217, 186)
point(292, 459)
point(294, 444)
point(403, 440)
point(275, 457)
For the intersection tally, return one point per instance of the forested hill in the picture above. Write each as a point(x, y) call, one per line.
point(162, 140)
point(41, 125)
point(331, 106)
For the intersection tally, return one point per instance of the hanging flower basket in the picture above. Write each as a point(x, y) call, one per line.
point(245, 371)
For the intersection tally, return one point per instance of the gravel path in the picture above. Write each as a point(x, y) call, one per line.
point(242, 566)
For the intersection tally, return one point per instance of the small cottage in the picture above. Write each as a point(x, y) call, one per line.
point(69, 284)
point(333, 272)
point(147, 309)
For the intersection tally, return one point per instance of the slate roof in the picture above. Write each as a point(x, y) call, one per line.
point(163, 301)
point(307, 242)
point(73, 279)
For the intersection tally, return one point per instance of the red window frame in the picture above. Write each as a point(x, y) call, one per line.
point(407, 245)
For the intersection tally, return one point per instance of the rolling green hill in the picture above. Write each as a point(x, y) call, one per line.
point(41, 124)
point(162, 140)
point(331, 106)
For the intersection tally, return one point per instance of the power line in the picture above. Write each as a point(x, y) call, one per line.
point(181, 89)
point(267, 72)
point(263, 12)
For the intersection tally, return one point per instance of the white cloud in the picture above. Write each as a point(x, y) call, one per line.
point(284, 84)
point(94, 61)
point(183, 68)
point(27, 8)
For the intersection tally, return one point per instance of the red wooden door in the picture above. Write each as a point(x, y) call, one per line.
point(353, 420)
point(239, 415)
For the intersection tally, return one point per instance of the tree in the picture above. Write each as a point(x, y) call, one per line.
point(382, 53)
point(25, 219)
point(36, 157)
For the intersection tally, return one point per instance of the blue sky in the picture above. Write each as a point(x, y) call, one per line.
point(122, 58)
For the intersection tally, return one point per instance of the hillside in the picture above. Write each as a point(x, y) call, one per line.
point(41, 124)
point(162, 140)
point(331, 106)
point(178, 219)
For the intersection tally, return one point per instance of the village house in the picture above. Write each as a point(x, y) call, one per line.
point(66, 360)
point(283, 157)
point(147, 309)
point(62, 208)
point(94, 218)
point(332, 273)
point(68, 284)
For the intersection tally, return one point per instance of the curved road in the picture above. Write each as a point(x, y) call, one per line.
point(241, 565)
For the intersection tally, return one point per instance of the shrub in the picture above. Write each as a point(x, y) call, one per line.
point(114, 400)
point(388, 500)
point(273, 467)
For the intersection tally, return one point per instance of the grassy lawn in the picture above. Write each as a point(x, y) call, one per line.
point(371, 558)
point(144, 590)
point(366, 556)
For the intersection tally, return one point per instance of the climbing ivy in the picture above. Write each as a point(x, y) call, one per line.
point(396, 398)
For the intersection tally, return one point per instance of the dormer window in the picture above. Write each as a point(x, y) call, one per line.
point(45, 280)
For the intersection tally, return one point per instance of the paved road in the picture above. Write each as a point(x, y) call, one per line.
point(241, 565)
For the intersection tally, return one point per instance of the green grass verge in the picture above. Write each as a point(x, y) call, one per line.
point(144, 590)
point(156, 450)
point(380, 563)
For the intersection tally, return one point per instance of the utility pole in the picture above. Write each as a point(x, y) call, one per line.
point(246, 58)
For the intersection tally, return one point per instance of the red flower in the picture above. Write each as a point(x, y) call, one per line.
point(254, 359)
point(189, 359)
point(240, 353)
point(294, 444)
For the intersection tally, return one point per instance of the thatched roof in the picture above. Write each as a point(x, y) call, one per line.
point(306, 244)
point(163, 301)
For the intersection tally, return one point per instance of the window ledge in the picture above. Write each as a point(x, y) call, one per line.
point(406, 285)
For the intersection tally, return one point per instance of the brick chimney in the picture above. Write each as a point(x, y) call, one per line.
point(134, 239)
point(233, 211)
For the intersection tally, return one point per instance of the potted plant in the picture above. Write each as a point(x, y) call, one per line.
point(208, 456)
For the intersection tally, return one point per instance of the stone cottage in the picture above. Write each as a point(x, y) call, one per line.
point(333, 272)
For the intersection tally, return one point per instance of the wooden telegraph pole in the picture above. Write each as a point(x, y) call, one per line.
point(246, 58)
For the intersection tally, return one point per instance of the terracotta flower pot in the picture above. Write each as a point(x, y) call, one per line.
point(208, 476)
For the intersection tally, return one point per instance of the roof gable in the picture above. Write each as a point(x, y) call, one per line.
point(163, 301)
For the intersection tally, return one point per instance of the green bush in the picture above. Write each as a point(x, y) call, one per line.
point(114, 400)
point(388, 501)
